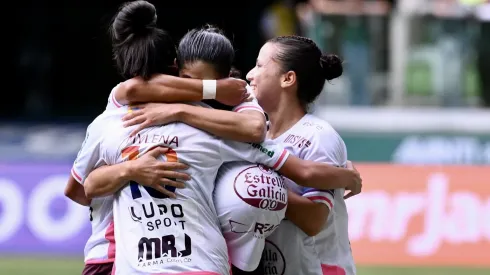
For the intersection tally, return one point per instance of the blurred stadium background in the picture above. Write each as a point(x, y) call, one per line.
point(412, 107)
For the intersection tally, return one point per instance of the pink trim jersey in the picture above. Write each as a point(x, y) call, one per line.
point(100, 247)
point(289, 250)
point(250, 201)
point(156, 234)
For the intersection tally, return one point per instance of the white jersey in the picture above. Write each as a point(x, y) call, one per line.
point(100, 247)
point(156, 234)
point(251, 201)
point(313, 139)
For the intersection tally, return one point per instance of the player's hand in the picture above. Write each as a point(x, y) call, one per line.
point(149, 171)
point(356, 186)
point(231, 91)
point(150, 114)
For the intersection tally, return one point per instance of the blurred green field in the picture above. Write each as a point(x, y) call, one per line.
point(70, 266)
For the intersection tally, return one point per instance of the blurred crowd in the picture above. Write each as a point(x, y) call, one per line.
point(403, 52)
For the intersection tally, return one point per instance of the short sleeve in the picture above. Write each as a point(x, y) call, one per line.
point(252, 105)
point(267, 153)
point(327, 147)
point(112, 103)
point(88, 157)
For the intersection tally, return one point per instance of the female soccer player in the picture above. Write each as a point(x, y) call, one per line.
point(289, 75)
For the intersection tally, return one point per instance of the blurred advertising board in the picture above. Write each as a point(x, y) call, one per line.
point(35, 216)
point(412, 135)
point(40, 143)
point(421, 215)
point(418, 148)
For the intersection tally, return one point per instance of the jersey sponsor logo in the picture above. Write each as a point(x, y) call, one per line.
point(158, 214)
point(298, 141)
point(262, 188)
point(258, 229)
point(263, 149)
point(156, 251)
point(274, 261)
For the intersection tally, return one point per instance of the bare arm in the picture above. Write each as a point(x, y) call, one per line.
point(107, 180)
point(167, 88)
point(246, 126)
point(319, 175)
point(146, 170)
point(163, 88)
point(309, 216)
point(75, 192)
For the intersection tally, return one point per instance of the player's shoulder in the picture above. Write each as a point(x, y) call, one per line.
point(319, 129)
point(112, 102)
point(325, 140)
point(95, 127)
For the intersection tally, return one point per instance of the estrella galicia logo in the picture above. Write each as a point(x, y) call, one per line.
point(261, 187)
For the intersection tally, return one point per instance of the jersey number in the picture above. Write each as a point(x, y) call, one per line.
point(133, 153)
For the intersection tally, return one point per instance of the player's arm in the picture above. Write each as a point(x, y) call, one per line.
point(107, 180)
point(87, 159)
point(314, 173)
point(75, 192)
point(308, 215)
point(246, 123)
point(306, 173)
point(167, 88)
point(310, 210)
point(146, 170)
point(245, 126)
point(319, 175)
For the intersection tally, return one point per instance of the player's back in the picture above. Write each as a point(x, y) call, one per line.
point(156, 234)
point(100, 247)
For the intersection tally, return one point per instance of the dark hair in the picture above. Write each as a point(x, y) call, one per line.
point(302, 55)
point(139, 47)
point(210, 45)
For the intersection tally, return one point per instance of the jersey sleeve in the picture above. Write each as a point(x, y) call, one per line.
point(267, 153)
point(328, 147)
point(88, 157)
point(112, 103)
point(252, 105)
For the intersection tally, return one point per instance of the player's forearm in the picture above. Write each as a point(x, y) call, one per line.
point(316, 175)
point(244, 127)
point(76, 192)
point(305, 214)
point(161, 88)
point(324, 176)
point(107, 180)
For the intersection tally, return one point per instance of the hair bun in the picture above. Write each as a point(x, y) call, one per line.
point(332, 66)
point(212, 28)
point(135, 18)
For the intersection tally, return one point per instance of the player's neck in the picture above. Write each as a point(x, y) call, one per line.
point(283, 118)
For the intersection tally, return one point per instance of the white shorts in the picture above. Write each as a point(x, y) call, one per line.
point(250, 202)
